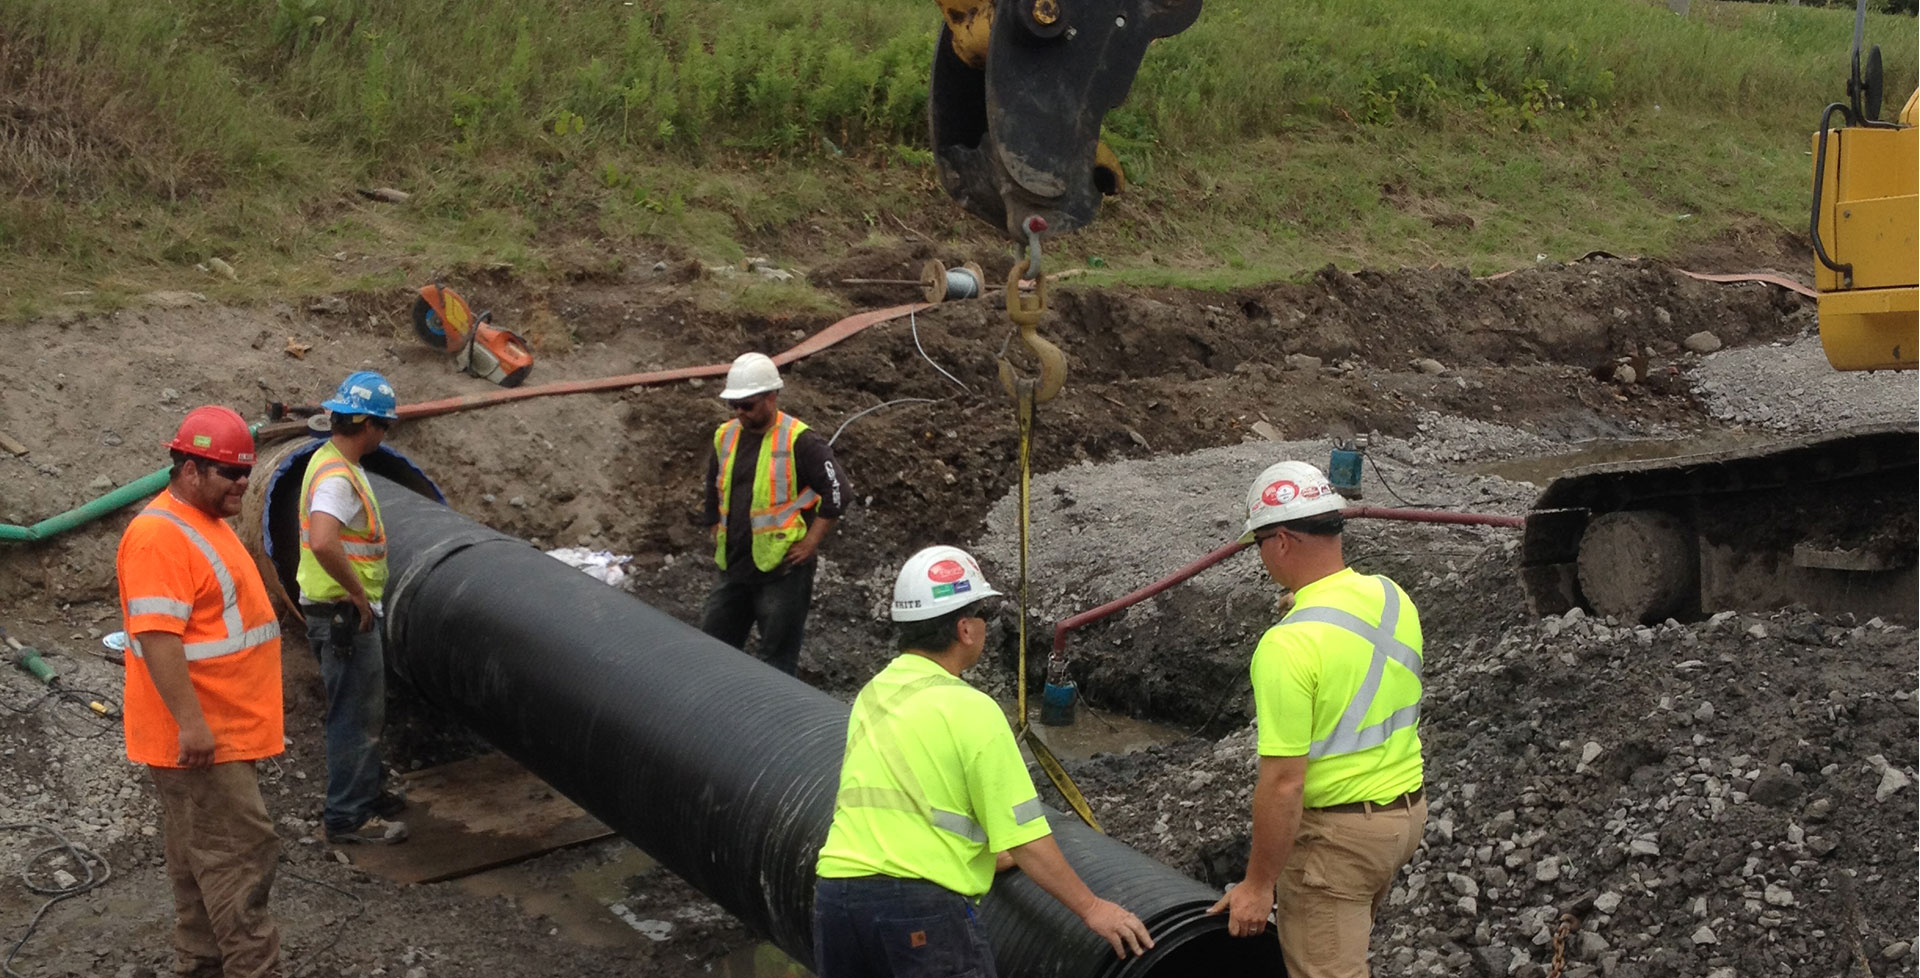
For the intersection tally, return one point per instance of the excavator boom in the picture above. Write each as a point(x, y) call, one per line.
point(1020, 88)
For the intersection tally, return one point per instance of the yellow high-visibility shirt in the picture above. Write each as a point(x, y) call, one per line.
point(932, 784)
point(1338, 680)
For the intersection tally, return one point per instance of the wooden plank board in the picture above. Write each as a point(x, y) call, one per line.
point(474, 815)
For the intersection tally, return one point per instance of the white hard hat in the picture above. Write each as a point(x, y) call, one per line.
point(936, 581)
point(751, 373)
point(1289, 491)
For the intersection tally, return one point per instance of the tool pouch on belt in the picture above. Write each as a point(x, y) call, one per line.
point(344, 626)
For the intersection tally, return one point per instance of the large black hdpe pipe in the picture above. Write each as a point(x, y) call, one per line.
point(719, 766)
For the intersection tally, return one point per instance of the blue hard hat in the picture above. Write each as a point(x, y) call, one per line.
point(364, 392)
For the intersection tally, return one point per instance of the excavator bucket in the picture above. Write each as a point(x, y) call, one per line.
point(1016, 129)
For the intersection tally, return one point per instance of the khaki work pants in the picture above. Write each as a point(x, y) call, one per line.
point(221, 856)
point(1342, 867)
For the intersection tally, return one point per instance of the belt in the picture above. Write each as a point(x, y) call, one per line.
point(1368, 807)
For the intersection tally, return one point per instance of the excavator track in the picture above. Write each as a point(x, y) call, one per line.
point(1826, 522)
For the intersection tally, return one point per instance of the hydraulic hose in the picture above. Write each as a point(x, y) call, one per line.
point(1067, 625)
point(150, 485)
point(807, 347)
point(719, 766)
point(139, 490)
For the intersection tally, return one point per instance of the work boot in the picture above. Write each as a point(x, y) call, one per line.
point(388, 805)
point(374, 831)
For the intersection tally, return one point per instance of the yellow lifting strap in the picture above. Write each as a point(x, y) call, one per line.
point(1026, 392)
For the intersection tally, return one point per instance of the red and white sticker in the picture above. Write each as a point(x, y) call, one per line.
point(1280, 493)
point(946, 572)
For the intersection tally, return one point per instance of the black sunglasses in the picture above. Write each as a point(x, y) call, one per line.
point(231, 473)
point(380, 423)
point(747, 403)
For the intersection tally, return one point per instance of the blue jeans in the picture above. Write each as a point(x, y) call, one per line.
point(356, 682)
point(880, 927)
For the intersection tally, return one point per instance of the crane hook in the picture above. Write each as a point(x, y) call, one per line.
point(1025, 310)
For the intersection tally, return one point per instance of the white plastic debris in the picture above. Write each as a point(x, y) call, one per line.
point(604, 566)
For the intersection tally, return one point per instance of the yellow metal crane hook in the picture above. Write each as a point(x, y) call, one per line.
point(1025, 310)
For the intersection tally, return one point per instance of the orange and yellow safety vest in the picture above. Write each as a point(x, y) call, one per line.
point(778, 499)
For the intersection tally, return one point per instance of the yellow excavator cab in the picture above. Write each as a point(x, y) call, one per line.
point(1866, 227)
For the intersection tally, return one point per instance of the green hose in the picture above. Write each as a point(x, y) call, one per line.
point(136, 491)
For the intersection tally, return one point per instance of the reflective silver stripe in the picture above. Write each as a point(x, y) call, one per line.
point(890, 799)
point(872, 721)
point(1028, 810)
point(1348, 736)
point(350, 548)
point(895, 800)
point(958, 824)
point(779, 516)
point(229, 595)
point(239, 638)
point(228, 646)
point(780, 473)
point(159, 606)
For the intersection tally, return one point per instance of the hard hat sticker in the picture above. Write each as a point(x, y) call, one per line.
point(945, 571)
point(1280, 493)
point(949, 590)
point(203, 441)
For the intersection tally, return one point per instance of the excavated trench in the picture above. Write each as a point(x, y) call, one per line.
point(1751, 752)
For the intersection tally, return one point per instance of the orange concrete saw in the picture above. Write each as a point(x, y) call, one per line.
point(443, 319)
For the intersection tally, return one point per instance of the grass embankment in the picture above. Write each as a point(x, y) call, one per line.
point(140, 137)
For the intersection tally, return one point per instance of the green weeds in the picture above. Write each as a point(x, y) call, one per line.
point(138, 137)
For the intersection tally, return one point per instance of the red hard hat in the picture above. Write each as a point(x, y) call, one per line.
point(217, 433)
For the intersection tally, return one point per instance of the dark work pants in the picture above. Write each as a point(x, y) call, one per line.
point(879, 927)
point(356, 682)
point(776, 603)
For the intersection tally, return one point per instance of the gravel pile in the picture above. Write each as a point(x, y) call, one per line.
point(1102, 531)
point(1790, 386)
point(1729, 798)
point(1176, 508)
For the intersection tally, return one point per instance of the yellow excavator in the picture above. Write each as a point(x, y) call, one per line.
point(1826, 521)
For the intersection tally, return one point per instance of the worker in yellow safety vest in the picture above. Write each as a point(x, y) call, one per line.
point(933, 799)
point(342, 577)
point(774, 491)
point(1339, 803)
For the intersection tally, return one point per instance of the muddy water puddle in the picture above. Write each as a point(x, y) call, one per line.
point(578, 903)
point(1541, 470)
point(590, 906)
point(1104, 733)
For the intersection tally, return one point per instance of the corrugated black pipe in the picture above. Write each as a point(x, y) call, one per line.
point(719, 766)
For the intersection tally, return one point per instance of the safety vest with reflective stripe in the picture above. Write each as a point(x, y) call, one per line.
point(1349, 657)
point(932, 784)
point(366, 549)
point(778, 498)
point(184, 573)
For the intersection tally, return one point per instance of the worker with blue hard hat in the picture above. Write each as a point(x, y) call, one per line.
point(342, 577)
point(364, 392)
